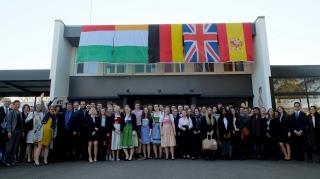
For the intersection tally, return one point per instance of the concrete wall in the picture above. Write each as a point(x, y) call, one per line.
point(60, 62)
point(204, 85)
point(261, 69)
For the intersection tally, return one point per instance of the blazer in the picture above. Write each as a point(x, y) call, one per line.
point(92, 125)
point(314, 131)
point(222, 129)
point(2, 114)
point(11, 119)
point(299, 123)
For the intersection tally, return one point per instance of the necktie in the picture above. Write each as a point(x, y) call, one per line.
point(6, 110)
point(297, 115)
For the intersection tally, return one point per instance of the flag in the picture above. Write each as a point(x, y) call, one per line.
point(165, 43)
point(130, 44)
point(235, 41)
point(200, 43)
point(96, 44)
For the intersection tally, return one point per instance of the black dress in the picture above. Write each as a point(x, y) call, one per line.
point(92, 123)
point(281, 128)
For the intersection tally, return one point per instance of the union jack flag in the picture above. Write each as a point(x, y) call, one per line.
point(200, 43)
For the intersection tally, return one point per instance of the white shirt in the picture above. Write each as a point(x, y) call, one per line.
point(185, 122)
point(225, 121)
point(103, 121)
point(314, 121)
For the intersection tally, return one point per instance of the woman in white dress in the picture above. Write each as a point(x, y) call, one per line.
point(33, 134)
point(116, 134)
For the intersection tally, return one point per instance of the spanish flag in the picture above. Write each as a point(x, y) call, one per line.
point(165, 43)
point(235, 42)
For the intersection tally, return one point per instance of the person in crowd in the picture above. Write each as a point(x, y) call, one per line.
point(257, 133)
point(298, 131)
point(185, 125)
point(168, 133)
point(138, 112)
point(21, 152)
point(245, 134)
point(47, 131)
point(216, 112)
point(116, 133)
point(209, 130)
point(236, 133)
point(180, 109)
point(99, 107)
point(282, 133)
point(104, 133)
point(146, 131)
point(14, 128)
point(313, 127)
point(150, 109)
point(196, 134)
point(176, 118)
point(82, 137)
point(93, 123)
point(35, 117)
point(225, 130)
point(156, 135)
point(4, 110)
point(269, 144)
point(128, 132)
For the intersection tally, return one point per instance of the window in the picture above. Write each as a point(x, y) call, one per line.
point(313, 84)
point(91, 68)
point(115, 68)
point(80, 68)
point(228, 67)
point(198, 67)
point(288, 85)
point(168, 68)
point(179, 68)
point(121, 68)
point(287, 102)
point(139, 68)
point(209, 67)
point(239, 66)
point(150, 68)
point(110, 68)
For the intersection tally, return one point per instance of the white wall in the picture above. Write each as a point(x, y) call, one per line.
point(261, 67)
point(60, 62)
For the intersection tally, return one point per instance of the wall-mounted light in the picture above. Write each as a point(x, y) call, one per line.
point(159, 90)
point(128, 91)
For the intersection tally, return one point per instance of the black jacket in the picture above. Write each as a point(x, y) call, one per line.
point(223, 130)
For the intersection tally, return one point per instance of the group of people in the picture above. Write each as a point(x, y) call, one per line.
point(99, 132)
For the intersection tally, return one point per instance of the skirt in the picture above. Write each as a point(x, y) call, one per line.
point(116, 138)
point(156, 137)
point(30, 137)
point(145, 138)
point(127, 137)
point(47, 134)
point(168, 138)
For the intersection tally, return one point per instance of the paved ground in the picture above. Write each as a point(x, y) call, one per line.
point(167, 169)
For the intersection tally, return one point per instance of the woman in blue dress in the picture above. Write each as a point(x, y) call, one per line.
point(146, 130)
point(156, 136)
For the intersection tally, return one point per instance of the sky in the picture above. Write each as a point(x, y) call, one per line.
point(26, 30)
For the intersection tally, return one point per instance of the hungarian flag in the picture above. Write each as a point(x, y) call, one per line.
point(165, 43)
point(96, 44)
point(130, 44)
point(235, 42)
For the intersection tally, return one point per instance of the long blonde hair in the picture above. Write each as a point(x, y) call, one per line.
point(211, 120)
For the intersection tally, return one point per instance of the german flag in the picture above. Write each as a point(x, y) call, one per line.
point(165, 43)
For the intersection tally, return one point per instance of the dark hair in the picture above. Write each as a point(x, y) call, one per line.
point(16, 101)
point(25, 105)
point(297, 103)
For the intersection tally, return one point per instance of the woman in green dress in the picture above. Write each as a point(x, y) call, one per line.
point(128, 131)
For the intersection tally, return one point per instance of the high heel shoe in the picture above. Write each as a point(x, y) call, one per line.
point(36, 164)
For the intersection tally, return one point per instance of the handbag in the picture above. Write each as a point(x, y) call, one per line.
point(209, 144)
point(245, 132)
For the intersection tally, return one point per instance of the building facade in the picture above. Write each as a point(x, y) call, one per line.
point(200, 84)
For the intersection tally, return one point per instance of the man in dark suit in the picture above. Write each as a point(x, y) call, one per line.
point(257, 131)
point(15, 131)
point(81, 120)
point(4, 110)
point(298, 131)
point(313, 128)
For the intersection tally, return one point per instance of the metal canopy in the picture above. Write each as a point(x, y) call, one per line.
point(24, 82)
